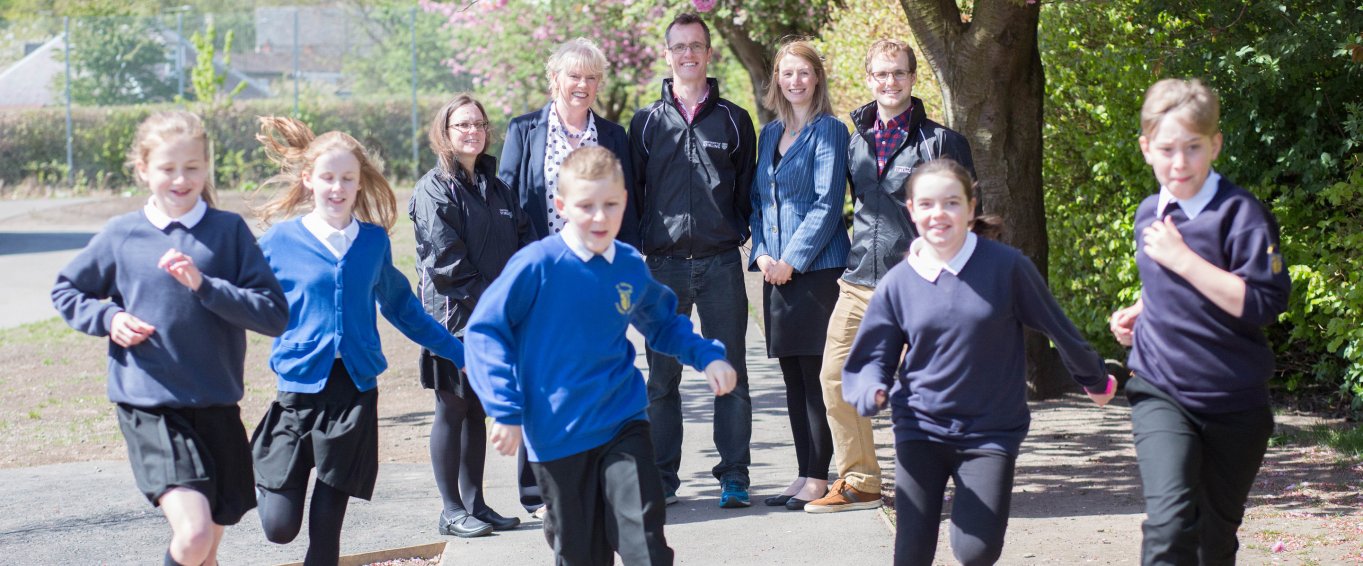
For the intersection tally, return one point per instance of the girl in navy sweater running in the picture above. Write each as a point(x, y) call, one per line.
point(1212, 275)
point(958, 303)
point(176, 328)
point(335, 264)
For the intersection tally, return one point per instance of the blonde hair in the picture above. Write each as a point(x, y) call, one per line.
point(986, 225)
point(890, 49)
point(291, 145)
point(590, 163)
point(160, 128)
point(439, 134)
point(579, 53)
point(1200, 106)
point(776, 102)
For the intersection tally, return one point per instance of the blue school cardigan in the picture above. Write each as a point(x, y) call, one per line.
point(331, 307)
point(797, 204)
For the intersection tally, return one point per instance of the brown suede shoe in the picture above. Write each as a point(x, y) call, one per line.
point(843, 497)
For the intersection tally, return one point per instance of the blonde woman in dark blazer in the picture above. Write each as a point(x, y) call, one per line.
point(800, 244)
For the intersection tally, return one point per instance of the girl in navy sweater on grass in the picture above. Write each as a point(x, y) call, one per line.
point(335, 263)
point(1212, 275)
point(954, 312)
point(176, 327)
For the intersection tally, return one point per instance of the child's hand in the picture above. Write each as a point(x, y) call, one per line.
point(721, 376)
point(505, 438)
point(182, 268)
point(1164, 243)
point(882, 398)
point(128, 331)
point(1122, 323)
point(1103, 398)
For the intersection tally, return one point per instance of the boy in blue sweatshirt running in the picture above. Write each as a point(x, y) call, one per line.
point(548, 357)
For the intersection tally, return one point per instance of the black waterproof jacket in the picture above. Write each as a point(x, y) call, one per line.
point(881, 228)
point(466, 231)
point(692, 180)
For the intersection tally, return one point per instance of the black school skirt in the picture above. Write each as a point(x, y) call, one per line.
point(335, 430)
point(796, 314)
point(441, 374)
point(199, 448)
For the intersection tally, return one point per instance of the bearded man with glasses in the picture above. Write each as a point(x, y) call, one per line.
point(893, 136)
point(693, 160)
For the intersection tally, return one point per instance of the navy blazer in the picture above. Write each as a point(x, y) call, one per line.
point(522, 168)
point(797, 204)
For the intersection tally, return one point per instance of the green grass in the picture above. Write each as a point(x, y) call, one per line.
point(49, 331)
point(1347, 441)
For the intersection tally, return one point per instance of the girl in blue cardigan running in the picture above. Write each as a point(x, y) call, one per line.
point(176, 328)
point(335, 263)
point(954, 312)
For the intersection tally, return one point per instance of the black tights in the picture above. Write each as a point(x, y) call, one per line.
point(281, 516)
point(808, 417)
point(458, 452)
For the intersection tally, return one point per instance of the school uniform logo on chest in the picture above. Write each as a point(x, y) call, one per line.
point(626, 302)
point(1275, 259)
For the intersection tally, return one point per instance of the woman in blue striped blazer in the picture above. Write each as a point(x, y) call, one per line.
point(800, 244)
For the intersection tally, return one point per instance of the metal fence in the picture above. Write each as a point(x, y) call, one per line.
point(284, 58)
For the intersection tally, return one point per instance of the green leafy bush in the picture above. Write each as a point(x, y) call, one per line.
point(32, 143)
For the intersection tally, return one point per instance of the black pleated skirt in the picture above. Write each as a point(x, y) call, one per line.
point(796, 314)
point(335, 430)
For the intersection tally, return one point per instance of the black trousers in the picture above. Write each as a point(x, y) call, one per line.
point(808, 416)
point(606, 500)
point(979, 513)
point(1196, 470)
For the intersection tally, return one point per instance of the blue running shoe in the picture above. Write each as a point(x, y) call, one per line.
point(733, 495)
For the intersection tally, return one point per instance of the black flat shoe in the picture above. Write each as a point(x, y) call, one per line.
point(796, 504)
point(463, 525)
point(498, 522)
point(777, 500)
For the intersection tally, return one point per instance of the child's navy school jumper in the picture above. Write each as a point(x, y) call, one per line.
point(1205, 358)
point(547, 348)
point(195, 357)
point(962, 379)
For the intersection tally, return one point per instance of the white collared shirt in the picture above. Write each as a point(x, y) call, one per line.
point(1193, 206)
point(336, 241)
point(160, 220)
point(931, 269)
point(579, 247)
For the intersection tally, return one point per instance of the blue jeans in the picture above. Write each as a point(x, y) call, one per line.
point(714, 285)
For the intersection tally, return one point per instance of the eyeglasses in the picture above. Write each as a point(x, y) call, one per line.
point(468, 127)
point(682, 48)
point(883, 77)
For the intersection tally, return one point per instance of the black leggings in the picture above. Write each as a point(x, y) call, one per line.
point(979, 511)
point(458, 452)
point(808, 417)
point(281, 516)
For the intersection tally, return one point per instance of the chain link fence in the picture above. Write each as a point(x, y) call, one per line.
point(72, 90)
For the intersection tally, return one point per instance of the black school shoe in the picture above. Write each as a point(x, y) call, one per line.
point(463, 525)
point(498, 522)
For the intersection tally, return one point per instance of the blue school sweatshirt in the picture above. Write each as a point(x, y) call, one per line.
point(547, 348)
point(1206, 359)
point(195, 356)
point(963, 377)
point(331, 308)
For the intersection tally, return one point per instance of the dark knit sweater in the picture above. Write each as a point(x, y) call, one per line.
point(1188, 347)
point(195, 356)
point(963, 379)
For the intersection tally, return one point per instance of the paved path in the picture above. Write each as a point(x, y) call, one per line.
point(31, 253)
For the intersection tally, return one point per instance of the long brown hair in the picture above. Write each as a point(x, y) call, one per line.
point(291, 145)
point(439, 132)
point(162, 127)
point(819, 102)
point(985, 225)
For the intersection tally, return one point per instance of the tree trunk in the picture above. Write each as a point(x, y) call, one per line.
point(756, 59)
point(993, 88)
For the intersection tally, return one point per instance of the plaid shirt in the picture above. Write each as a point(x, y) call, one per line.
point(890, 136)
point(690, 115)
